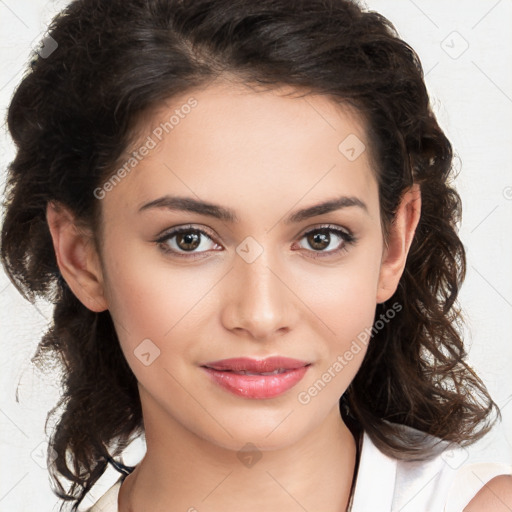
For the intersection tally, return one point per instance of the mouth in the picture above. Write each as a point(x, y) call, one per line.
point(257, 379)
point(270, 365)
point(245, 372)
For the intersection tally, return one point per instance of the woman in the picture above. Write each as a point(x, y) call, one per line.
point(243, 212)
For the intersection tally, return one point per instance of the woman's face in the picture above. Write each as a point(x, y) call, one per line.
point(253, 287)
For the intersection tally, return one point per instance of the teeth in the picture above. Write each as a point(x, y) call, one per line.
point(275, 372)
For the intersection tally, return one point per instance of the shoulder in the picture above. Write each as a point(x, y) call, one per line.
point(446, 482)
point(495, 495)
point(482, 486)
point(408, 486)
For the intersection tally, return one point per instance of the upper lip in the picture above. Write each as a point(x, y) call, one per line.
point(269, 364)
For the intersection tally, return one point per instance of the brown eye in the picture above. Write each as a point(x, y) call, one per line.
point(188, 241)
point(185, 240)
point(180, 241)
point(321, 238)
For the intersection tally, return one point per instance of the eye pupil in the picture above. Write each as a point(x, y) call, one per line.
point(320, 238)
point(189, 238)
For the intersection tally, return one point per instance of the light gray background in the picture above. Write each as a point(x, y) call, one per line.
point(466, 51)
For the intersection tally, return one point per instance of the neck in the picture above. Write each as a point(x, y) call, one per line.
point(182, 472)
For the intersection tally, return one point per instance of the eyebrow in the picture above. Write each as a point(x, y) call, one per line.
point(189, 204)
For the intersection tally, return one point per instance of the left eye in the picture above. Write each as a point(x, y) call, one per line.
point(321, 238)
point(187, 240)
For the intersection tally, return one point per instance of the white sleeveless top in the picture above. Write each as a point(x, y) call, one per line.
point(385, 484)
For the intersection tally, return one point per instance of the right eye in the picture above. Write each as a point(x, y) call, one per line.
point(183, 240)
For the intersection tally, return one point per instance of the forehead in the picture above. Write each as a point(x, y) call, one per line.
point(239, 146)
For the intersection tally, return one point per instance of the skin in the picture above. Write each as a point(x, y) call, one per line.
point(264, 156)
point(496, 495)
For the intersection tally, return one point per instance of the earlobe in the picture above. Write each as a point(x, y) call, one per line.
point(77, 257)
point(401, 234)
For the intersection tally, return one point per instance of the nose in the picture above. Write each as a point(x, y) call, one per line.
point(258, 299)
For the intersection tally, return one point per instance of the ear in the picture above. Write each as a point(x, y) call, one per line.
point(401, 234)
point(77, 257)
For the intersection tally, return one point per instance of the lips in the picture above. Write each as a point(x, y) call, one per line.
point(257, 379)
point(270, 365)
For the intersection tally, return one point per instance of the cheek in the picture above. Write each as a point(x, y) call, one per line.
point(157, 307)
point(343, 296)
point(150, 301)
point(342, 303)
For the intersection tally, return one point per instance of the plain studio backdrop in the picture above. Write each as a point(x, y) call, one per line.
point(466, 51)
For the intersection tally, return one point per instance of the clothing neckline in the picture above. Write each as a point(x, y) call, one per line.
point(359, 443)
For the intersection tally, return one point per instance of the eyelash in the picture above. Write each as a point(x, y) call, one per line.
point(347, 237)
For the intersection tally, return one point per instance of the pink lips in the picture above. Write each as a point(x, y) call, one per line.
point(229, 374)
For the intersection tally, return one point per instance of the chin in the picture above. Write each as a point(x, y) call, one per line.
point(270, 431)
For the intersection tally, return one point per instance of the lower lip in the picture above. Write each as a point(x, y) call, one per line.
point(257, 386)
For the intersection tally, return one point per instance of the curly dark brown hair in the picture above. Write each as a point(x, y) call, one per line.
point(74, 114)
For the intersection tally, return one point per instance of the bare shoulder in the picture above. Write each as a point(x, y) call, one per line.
point(495, 495)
